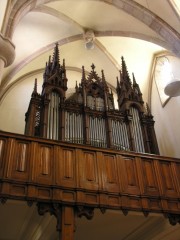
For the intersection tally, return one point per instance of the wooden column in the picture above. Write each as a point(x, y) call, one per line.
point(129, 131)
point(65, 218)
point(86, 128)
point(45, 118)
point(62, 124)
point(7, 54)
point(67, 224)
point(109, 132)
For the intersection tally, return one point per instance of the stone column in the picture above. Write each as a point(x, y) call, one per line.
point(1, 69)
point(7, 54)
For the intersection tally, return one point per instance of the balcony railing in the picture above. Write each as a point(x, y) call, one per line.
point(35, 169)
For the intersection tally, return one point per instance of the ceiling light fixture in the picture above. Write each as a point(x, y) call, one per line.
point(89, 39)
point(171, 76)
point(173, 88)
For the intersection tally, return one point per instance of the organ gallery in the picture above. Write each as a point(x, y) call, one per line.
point(80, 153)
point(89, 115)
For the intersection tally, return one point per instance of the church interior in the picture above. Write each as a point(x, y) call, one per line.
point(89, 89)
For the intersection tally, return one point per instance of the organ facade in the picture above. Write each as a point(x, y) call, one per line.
point(89, 115)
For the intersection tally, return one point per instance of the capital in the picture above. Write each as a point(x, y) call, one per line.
point(7, 53)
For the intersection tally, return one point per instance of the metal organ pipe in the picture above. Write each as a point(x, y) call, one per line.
point(101, 138)
point(136, 130)
point(119, 135)
point(73, 127)
point(104, 132)
point(96, 132)
point(77, 128)
point(126, 142)
point(66, 131)
point(90, 129)
point(97, 126)
point(53, 116)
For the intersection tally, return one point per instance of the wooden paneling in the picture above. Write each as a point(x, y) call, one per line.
point(2, 154)
point(87, 170)
point(44, 161)
point(109, 173)
point(65, 161)
point(176, 167)
point(38, 169)
point(150, 186)
point(19, 167)
point(129, 176)
point(167, 179)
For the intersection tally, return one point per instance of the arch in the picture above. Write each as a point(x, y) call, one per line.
point(74, 38)
point(137, 105)
point(54, 89)
point(132, 8)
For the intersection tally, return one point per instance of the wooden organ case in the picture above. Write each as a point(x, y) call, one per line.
point(89, 116)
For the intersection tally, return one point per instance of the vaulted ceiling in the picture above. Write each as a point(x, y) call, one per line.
point(134, 29)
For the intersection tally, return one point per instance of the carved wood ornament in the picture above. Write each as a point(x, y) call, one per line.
point(89, 116)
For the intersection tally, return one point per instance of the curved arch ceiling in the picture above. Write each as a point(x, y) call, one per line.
point(134, 29)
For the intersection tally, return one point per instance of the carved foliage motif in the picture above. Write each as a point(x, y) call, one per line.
point(54, 209)
point(88, 212)
point(173, 218)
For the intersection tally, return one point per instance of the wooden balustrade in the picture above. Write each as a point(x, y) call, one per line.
point(40, 170)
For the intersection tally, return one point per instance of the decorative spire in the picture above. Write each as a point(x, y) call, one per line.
point(93, 66)
point(49, 60)
point(64, 63)
point(123, 66)
point(120, 74)
point(47, 69)
point(136, 89)
point(55, 61)
point(35, 93)
point(35, 85)
point(117, 83)
point(124, 71)
point(83, 75)
point(76, 87)
point(64, 69)
point(134, 80)
point(103, 77)
point(148, 111)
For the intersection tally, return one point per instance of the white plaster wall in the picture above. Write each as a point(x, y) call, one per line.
point(16, 101)
point(15, 104)
point(167, 124)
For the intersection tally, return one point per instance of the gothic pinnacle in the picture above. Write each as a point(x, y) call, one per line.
point(55, 61)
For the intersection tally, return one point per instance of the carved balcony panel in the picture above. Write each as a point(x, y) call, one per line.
point(41, 170)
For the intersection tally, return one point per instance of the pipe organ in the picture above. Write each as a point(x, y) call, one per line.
point(73, 127)
point(53, 116)
point(89, 116)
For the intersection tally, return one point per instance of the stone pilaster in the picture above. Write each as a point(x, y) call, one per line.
point(7, 53)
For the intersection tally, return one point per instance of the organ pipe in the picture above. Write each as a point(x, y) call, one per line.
point(136, 130)
point(53, 116)
point(73, 127)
